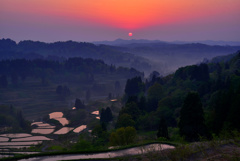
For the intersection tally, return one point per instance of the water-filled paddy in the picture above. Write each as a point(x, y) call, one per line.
point(20, 140)
point(43, 125)
point(62, 120)
point(64, 130)
point(3, 139)
point(17, 135)
point(42, 131)
point(80, 128)
point(4, 155)
point(46, 127)
point(55, 115)
point(59, 117)
point(95, 113)
point(20, 143)
point(16, 147)
point(35, 123)
point(112, 154)
point(32, 138)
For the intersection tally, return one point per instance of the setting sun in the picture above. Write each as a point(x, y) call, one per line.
point(130, 34)
point(170, 19)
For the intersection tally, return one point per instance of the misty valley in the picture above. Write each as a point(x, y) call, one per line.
point(118, 99)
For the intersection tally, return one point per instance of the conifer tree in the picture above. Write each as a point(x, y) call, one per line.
point(79, 104)
point(191, 118)
point(163, 129)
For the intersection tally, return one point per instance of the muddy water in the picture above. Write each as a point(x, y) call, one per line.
point(119, 153)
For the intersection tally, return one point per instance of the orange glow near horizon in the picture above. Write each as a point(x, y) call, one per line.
point(133, 14)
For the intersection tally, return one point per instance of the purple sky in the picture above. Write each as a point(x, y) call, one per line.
point(95, 20)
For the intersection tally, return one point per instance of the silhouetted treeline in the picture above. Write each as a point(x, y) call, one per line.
point(20, 69)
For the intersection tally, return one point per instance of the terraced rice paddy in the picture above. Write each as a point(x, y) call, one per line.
point(20, 140)
point(25, 140)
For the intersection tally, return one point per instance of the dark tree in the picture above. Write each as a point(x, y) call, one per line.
point(102, 115)
point(104, 126)
point(79, 104)
point(20, 119)
point(221, 105)
point(106, 115)
point(191, 123)
point(125, 120)
point(193, 72)
point(203, 72)
point(131, 109)
point(155, 94)
point(226, 111)
point(134, 86)
point(132, 99)
point(153, 75)
point(163, 129)
point(142, 103)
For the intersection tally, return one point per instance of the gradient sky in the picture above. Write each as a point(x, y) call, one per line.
point(94, 20)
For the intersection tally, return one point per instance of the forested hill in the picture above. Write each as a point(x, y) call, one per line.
point(9, 49)
point(200, 99)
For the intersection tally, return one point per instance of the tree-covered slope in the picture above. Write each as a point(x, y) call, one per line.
point(199, 99)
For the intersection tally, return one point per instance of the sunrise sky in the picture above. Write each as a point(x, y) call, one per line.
point(95, 20)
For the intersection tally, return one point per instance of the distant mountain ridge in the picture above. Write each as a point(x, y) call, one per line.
point(28, 49)
point(120, 42)
point(143, 55)
point(167, 57)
